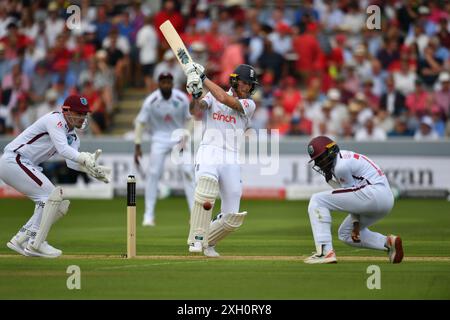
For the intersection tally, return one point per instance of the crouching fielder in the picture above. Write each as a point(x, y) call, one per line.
point(19, 168)
point(226, 115)
point(361, 189)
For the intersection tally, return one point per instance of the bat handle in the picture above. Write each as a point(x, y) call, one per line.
point(197, 95)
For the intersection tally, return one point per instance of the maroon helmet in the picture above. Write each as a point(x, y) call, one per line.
point(323, 151)
point(76, 103)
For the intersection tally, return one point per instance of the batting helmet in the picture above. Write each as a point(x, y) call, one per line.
point(76, 103)
point(245, 73)
point(323, 151)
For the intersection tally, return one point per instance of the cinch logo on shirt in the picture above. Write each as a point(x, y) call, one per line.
point(225, 118)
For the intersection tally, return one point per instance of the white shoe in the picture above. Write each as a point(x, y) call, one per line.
point(45, 250)
point(48, 248)
point(395, 249)
point(148, 222)
point(319, 258)
point(211, 252)
point(19, 242)
point(18, 247)
point(196, 247)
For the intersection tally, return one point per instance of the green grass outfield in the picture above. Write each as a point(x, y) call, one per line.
point(262, 260)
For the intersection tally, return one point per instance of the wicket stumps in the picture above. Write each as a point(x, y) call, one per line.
point(131, 217)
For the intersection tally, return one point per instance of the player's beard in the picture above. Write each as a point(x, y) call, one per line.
point(166, 93)
point(74, 120)
point(241, 94)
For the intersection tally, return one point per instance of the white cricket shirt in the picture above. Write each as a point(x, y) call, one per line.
point(164, 116)
point(49, 135)
point(223, 126)
point(354, 169)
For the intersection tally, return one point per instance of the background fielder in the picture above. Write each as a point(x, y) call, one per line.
point(19, 167)
point(163, 111)
point(226, 116)
point(362, 189)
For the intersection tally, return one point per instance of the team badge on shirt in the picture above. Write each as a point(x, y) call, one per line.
point(167, 118)
point(71, 138)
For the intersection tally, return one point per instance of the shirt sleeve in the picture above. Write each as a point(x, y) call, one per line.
point(248, 106)
point(56, 131)
point(344, 174)
point(72, 164)
point(144, 113)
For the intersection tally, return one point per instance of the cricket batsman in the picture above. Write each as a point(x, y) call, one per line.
point(226, 115)
point(52, 134)
point(361, 189)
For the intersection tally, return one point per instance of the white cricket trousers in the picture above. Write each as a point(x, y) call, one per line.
point(371, 202)
point(27, 178)
point(223, 166)
point(158, 154)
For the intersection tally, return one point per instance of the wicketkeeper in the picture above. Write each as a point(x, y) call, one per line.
point(52, 134)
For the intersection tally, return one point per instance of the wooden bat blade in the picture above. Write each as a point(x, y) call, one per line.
point(175, 43)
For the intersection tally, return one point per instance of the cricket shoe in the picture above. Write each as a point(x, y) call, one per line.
point(395, 249)
point(148, 222)
point(319, 258)
point(18, 246)
point(211, 252)
point(45, 250)
point(196, 247)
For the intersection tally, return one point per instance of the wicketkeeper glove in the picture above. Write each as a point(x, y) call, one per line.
point(102, 173)
point(88, 164)
point(88, 159)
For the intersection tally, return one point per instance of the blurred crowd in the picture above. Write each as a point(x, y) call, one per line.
point(324, 66)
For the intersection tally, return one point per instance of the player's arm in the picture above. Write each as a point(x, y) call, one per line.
point(196, 79)
point(356, 228)
point(73, 164)
point(58, 136)
point(139, 128)
point(197, 103)
point(222, 96)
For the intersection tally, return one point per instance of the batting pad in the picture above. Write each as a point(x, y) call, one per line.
point(224, 225)
point(62, 210)
point(207, 190)
point(49, 215)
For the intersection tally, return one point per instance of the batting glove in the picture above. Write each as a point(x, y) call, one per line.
point(195, 68)
point(194, 85)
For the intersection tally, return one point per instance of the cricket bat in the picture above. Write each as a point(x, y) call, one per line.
point(176, 44)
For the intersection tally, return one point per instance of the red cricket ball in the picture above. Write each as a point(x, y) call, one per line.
point(207, 205)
